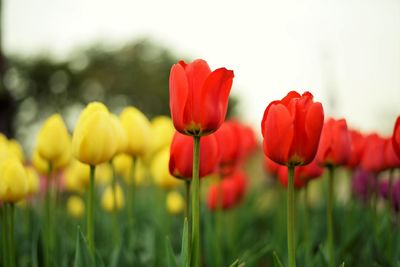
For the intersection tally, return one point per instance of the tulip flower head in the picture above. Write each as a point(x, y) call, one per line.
point(137, 129)
point(198, 97)
point(373, 159)
point(335, 145)
point(53, 140)
point(13, 180)
point(94, 141)
point(75, 207)
point(181, 157)
point(111, 202)
point(396, 137)
point(291, 128)
point(390, 157)
point(120, 134)
point(160, 172)
point(175, 203)
point(162, 131)
point(357, 148)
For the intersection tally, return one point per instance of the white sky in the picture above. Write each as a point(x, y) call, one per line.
point(350, 46)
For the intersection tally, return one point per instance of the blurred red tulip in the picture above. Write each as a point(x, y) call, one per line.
point(229, 191)
point(249, 140)
point(302, 174)
point(335, 146)
point(230, 145)
point(396, 137)
point(271, 166)
point(181, 156)
point(373, 159)
point(357, 148)
point(198, 97)
point(390, 157)
point(291, 128)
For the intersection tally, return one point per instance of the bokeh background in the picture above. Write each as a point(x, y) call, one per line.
point(57, 55)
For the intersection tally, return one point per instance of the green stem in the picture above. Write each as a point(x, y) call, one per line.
point(187, 216)
point(89, 218)
point(195, 259)
point(306, 225)
point(4, 234)
point(116, 237)
point(48, 233)
point(290, 218)
point(11, 234)
point(219, 243)
point(330, 217)
point(131, 195)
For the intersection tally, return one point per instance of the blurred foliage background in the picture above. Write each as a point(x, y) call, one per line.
point(136, 74)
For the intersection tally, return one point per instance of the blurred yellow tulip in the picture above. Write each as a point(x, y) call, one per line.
point(40, 164)
point(53, 139)
point(33, 181)
point(175, 203)
point(122, 165)
point(80, 172)
point(64, 160)
point(93, 140)
point(111, 203)
point(13, 180)
point(162, 131)
point(120, 134)
point(75, 207)
point(137, 129)
point(103, 174)
point(15, 148)
point(160, 171)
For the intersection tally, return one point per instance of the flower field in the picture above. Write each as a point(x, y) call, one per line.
point(199, 189)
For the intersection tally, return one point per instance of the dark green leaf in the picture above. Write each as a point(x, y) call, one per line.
point(185, 260)
point(277, 261)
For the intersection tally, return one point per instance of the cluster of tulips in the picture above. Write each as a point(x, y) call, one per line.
point(115, 154)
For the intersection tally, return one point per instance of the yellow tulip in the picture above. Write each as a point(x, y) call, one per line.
point(53, 139)
point(3, 138)
point(162, 131)
point(111, 203)
point(137, 128)
point(64, 160)
point(160, 171)
point(72, 183)
point(33, 181)
point(94, 141)
point(80, 172)
point(122, 165)
point(175, 202)
point(120, 134)
point(15, 148)
point(13, 180)
point(75, 206)
point(40, 164)
point(103, 174)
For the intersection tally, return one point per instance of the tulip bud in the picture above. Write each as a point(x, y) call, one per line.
point(13, 180)
point(75, 207)
point(53, 139)
point(137, 129)
point(94, 141)
point(109, 202)
point(175, 203)
point(40, 164)
point(160, 172)
point(162, 131)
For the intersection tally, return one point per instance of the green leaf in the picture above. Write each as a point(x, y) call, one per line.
point(185, 260)
point(341, 265)
point(170, 254)
point(277, 261)
point(235, 263)
point(82, 254)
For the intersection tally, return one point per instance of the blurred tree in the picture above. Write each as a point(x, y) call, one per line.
point(136, 74)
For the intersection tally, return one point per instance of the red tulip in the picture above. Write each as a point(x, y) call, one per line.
point(373, 157)
point(249, 140)
point(357, 148)
point(230, 145)
point(198, 97)
point(181, 156)
point(229, 191)
point(390, 157)
point(396, 137)
point(291, 128)
point(302, 174)
point(335, 145)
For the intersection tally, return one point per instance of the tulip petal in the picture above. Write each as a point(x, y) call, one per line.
point(278, 133)
point(178, 94)
point(396, 137)
point(214, 99)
